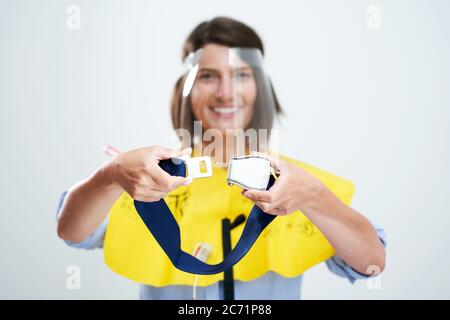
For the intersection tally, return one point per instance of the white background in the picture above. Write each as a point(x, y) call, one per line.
point(370, 105)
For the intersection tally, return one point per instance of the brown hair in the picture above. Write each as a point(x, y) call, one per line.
point(223, 31)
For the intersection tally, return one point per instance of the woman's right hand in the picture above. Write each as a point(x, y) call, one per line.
point(138, 173)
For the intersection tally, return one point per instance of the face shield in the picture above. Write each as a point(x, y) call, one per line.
point(227, 104)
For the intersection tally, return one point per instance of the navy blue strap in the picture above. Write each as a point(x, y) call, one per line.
point(160, 222)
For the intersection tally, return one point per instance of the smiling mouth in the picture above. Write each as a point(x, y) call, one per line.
point(225, 111)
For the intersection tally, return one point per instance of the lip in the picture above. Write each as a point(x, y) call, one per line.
point(224, 112)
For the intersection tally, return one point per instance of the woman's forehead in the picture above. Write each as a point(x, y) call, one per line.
point(214, 56)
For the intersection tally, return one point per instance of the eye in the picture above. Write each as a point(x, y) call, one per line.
point(207, 76)
point(243, 74)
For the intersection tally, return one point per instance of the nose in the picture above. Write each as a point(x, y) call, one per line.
point(225, 89)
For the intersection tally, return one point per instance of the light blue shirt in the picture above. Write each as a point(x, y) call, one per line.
point(270, 286)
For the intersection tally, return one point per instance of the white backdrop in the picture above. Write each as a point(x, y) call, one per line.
point(369, 104)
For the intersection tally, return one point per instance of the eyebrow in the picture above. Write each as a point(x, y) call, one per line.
point(215, 70)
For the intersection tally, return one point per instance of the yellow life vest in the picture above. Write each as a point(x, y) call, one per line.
point(288, 246)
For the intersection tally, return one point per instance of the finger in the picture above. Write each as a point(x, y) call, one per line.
point(166, 183)
point(163, 153)
point(270, 208)
point(176, 156)
point(257, 195)
point(145, 198)
point(162, 180)
point(153, 193)
point(277, 211)
point(180, 181)
point(150, 194)
point(264, 206)
point(179, 156)
point(185, 152)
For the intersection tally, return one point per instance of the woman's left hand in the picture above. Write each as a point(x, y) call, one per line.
point(294, 189)
point(350, 233)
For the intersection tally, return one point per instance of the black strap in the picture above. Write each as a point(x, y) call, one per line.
point(228, 278)
point(161, 223)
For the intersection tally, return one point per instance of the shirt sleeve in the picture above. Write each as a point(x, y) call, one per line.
point(94, 240)
point(341, 268)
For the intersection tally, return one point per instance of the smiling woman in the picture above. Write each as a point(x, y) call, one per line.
point(225, 92)
point(231, 76)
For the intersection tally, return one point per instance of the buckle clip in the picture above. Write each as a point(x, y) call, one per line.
point(249, 172)
point(197, 167)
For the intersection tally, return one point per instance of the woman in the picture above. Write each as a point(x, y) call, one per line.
point(317, 223)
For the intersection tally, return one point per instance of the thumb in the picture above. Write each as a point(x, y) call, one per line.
point(165, 153)
point(180, 181)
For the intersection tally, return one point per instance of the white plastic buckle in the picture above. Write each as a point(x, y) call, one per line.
point(198, 167)
point(249, 172)
point(202, 250)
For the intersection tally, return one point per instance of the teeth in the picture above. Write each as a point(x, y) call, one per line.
point(225, 110)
